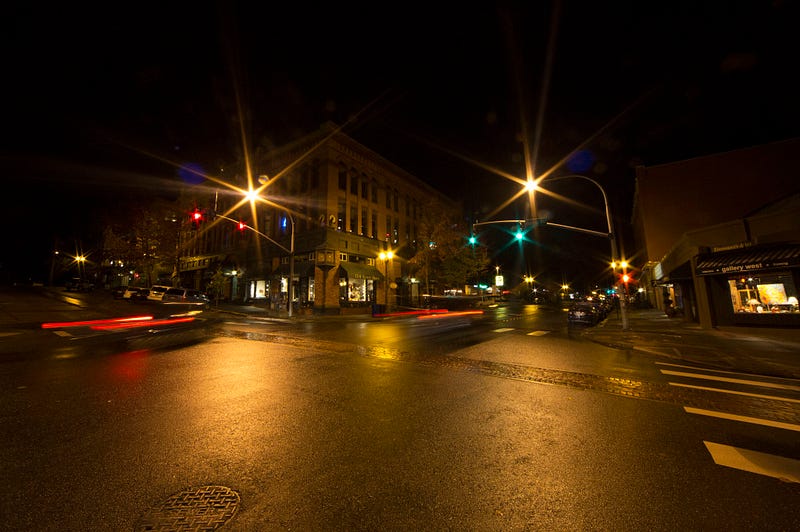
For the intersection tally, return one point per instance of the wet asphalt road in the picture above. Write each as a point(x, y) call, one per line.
point(392, 425)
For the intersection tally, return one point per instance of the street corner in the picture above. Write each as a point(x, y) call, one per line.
point(615, 340)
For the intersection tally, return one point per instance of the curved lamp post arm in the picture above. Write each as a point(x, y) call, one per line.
point(611, 236)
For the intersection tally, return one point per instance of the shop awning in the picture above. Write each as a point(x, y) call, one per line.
point(749, 259)
point(359, 271)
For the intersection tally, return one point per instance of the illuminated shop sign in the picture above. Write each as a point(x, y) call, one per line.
point(749, 260)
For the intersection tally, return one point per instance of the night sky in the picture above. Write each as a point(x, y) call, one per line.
point(103, 101)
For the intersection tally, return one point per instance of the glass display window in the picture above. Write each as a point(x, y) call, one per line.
point(763, 293)
point(356, 290)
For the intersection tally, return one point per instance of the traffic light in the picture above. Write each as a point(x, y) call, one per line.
point(241, 226)
point(196, 218)
point(473, 240)
point(519, 235)
point(626, 278)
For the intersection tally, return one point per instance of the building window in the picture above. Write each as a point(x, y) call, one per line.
point(342, 257)
point(341, 214)
point(374, 191)
point(395, 197)
point(364, 221)
point(388, 198)
point(364, 187)
point(773, 293)
point(354, 184)
point(374, 232)
point(356, 292)
point(342, 179)
point(353, 218)
point(388, 227)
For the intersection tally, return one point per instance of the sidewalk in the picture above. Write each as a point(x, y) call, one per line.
point(767, 351)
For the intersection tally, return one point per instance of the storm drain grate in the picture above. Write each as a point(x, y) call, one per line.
point(196, 509)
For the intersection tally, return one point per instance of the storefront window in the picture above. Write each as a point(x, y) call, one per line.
point(764, 293)
point(356, 291)
point(259, 289)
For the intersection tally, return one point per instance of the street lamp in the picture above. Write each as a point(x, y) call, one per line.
point(253, 196)
point(610, 235)
point(386, 256)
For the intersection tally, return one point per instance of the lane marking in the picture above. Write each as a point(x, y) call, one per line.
point(538, 333)
point(710, 370)
point(732, 380)
point(744, 419)
point(503, 329)
point(786, 469)
point(723, 390)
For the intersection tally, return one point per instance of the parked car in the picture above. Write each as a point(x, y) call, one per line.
point(130, 291)
point(601, 308)
point(583, 313)
point(141, 294)
point(186, 295)
point(118, 292)
point(76, 284)
point(157, 292)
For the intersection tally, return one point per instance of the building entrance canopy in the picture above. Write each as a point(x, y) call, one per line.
point(749, 259)
point(360, 271)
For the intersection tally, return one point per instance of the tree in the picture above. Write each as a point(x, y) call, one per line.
point(443, 254)
point(144, 237)
point(216, 286)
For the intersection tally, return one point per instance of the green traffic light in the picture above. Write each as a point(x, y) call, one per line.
point(519, 235)
point(473, 240)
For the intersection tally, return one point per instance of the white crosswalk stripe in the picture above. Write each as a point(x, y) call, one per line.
point(742, 385)
point(785, 469)
point(744, 419)
point(735, 392)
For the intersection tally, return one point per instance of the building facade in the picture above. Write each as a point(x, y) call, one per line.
point(720, 236)
point(330, 214)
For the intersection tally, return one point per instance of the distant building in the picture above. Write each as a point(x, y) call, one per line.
point(343, 203)
point(720, 235)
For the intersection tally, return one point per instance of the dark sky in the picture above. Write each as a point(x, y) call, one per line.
point(101, 99)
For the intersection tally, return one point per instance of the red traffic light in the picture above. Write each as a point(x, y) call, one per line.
point(196, 217)
point(242, 226)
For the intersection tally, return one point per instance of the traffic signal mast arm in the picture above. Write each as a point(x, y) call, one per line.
point(256, 231)
point(579, 229)
point(542, 221)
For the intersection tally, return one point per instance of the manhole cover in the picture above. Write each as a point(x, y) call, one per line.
point(203, 508)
